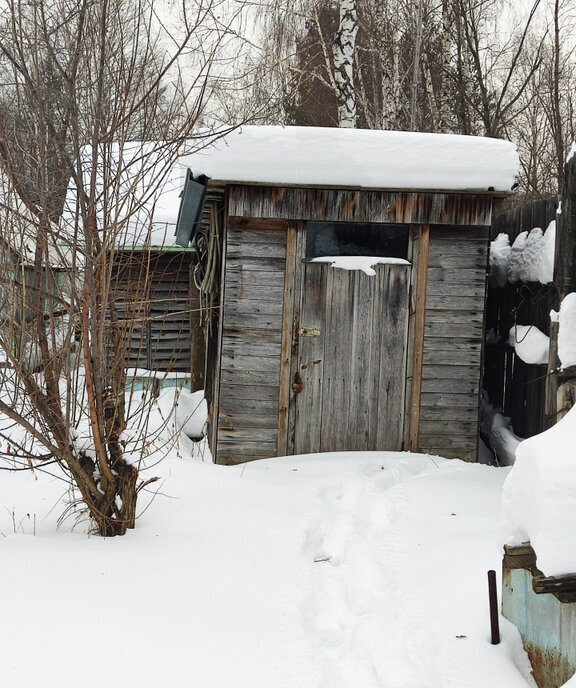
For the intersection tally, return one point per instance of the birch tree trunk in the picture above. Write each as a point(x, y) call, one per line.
point(416, 69)
point(344, 50)
point(391, 73)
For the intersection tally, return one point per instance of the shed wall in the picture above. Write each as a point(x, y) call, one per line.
point(453, 340)
point(251, 344)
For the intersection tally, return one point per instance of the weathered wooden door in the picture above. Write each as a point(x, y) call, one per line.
point(350, 361)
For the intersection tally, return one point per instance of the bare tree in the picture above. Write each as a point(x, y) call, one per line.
point(89, 78)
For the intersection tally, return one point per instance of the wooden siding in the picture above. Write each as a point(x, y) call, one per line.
point(453, 337)
point(152, 298)
point(251, 344)
point(359, 206)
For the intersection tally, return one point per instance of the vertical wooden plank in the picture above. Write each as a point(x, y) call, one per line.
point(419, 323)
point(392, 324)
point(364, 376)
point(338, 347)
point(286, 352)
point(308, 378)
point(299, 271)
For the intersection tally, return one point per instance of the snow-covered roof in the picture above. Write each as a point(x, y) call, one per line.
point(149, 182)
point(314, 156)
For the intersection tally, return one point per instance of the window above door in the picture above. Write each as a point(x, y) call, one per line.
point(357, 239)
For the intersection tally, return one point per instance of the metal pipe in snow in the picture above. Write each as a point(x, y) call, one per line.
point(494, 620)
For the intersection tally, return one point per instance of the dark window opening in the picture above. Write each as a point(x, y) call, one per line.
point(356, 239)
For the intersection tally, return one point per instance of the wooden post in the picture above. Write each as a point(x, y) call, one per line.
point(419, 323)
point(286, 353)
point(564, 280)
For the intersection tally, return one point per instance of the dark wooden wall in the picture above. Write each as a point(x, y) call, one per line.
point(152, 298)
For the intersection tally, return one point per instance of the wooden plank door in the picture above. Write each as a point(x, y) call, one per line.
point(350, 362)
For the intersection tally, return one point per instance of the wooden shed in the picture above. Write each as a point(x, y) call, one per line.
point(305, 356)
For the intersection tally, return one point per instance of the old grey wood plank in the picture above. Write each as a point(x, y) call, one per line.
point(252, 435)
point(455, 345)
point(363, 375)
point(249, 377)
point(242, 392)
point(246, 235)
point(251, 336)
point(458, 247)
point(454, 413)
point(392, 322)
point(235, 405)
point(448, 426)
point(418, 333)
point(268, 321)
point(460, 233)
point(247, 263)
point(453, 385)
point(448, 441)
point(237, 291)
point(263, 364)
point(262, 349)
point(447, 399)
point(453, 316)
point(465, 454)
point(446, 290)
point(455, 328)
point(338, 352)
point(253, 279)
point(465, 276)
point(247, 421)
point(449, 261)
point(445, 372)
point(254, 250)
point(234, 453)
point(288, 309)
point(264, 305)
point(465, 302)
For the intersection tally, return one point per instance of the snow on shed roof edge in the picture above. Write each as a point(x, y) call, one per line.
point(315, 156)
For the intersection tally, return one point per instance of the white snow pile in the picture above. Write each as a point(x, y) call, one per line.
point(529, 259)
point(350, 570)
point(530, 344)
point(539, 497)
point(364, 263)
point(566, 330)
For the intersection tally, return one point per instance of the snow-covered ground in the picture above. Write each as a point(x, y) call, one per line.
point(356, 570)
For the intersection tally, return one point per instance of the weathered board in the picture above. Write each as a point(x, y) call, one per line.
point(453, 341)
point(337, 205)
point(349, 379)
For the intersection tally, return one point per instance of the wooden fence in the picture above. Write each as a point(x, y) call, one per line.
point(518, 389)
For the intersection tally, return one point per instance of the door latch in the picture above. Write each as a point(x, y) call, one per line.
point(309, 332)
point(298, 331)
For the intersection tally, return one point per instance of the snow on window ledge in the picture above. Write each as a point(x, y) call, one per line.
point(364, 263)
